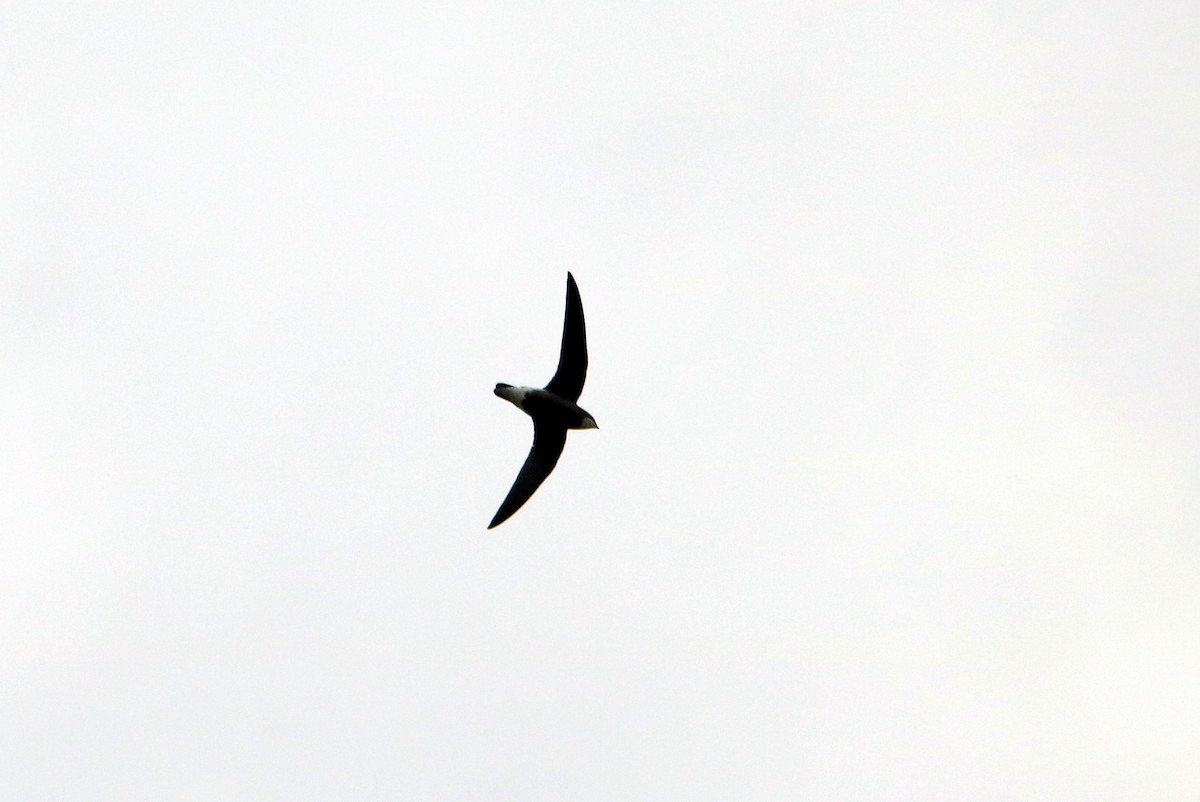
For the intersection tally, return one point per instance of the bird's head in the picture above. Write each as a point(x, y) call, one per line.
point(509, 393)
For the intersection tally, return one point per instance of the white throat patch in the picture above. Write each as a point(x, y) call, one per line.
point(514, 394)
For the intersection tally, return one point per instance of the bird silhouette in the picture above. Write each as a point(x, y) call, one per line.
point(552, 408)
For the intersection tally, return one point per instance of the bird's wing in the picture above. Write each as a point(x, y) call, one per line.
point(548, 441)
point(572, 360)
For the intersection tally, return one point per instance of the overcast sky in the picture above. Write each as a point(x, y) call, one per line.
point(894, 323)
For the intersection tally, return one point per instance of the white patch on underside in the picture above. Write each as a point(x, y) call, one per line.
point(514, 394)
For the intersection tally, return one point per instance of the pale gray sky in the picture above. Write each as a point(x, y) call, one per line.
point(894, 317)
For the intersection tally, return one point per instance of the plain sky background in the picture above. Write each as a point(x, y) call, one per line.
point(894, 322)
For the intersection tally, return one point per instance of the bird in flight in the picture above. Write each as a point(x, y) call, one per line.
point(552, 408)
